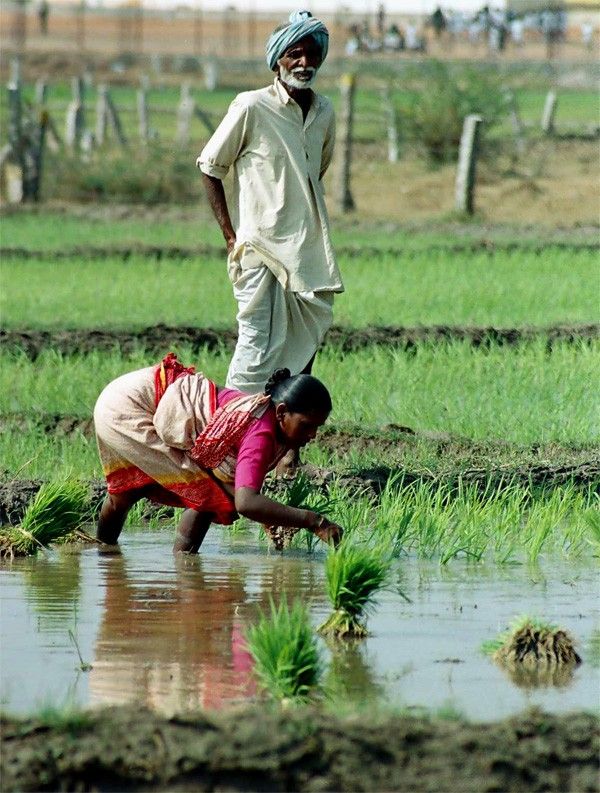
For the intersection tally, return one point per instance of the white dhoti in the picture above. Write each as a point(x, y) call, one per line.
point(276, 327)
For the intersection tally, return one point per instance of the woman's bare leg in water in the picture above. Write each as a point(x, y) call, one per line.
point(113, 514)
point(191, 531)
point(115, 509)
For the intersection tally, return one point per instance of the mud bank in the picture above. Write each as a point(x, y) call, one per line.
point(16, 494)
point(161, 338)
point(178, 252)
point(302, 749)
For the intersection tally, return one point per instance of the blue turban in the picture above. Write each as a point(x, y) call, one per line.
point(302, 23)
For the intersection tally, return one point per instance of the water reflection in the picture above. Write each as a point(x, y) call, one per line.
point(52, 586)
point(350, 673)
point(172, 645)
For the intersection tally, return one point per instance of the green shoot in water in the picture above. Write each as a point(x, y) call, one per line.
point(286, 658)
point(354, 575)
point(301, 494)
point(58, 509)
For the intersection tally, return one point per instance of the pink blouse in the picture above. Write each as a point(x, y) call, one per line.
point(257, 448)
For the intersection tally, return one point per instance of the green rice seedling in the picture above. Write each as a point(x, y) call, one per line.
point(300, 493)
point(57, 511)
point(534, 652)
point(354, 575)
point(287, 664)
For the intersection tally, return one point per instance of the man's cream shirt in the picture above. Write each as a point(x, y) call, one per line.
point(278, 161)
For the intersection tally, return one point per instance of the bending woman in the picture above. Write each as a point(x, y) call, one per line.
point(169, 434)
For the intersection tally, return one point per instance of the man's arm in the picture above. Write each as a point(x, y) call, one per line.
point(218, 204)
point(328, 146)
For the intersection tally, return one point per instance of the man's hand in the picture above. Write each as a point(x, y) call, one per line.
point(230, 243)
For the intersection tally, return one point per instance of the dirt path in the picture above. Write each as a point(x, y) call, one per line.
point(300, 749)
point(161, 338)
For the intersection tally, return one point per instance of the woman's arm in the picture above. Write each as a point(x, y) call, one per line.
point(253, 505)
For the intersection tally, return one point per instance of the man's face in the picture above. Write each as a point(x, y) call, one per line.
point(299, 64)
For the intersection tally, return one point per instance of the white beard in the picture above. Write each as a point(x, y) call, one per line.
point(290, 79)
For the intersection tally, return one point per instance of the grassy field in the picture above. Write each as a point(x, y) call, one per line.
point(522, 395)
point(421, 283)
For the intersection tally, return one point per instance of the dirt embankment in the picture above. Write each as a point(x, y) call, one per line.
point(161, 338)
point(15, 495)
point(178, 252)
point(129, 749)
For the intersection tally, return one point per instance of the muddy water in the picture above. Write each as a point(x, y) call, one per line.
point(169, 632)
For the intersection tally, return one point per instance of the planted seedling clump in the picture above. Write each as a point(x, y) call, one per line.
point(286, 658)
point(535, 653)
point(354, 576)
point(301, 494)
point(55, 514)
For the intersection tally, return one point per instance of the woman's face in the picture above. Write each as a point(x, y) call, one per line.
point(298, 429)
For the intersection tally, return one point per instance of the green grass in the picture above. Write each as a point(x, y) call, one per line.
point(41, 228)
point(416, 288)
point(286, 658)
point(522, 395)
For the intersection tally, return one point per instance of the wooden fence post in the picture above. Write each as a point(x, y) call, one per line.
point(115, 121)
point(14, 165)
point(142, 108)
point(467, 160)
point(347, 87)
point(101, 115)
point(548, 113)
point(392, 124)
point(75, 121)
point(106, 113)
point(211, 75)
point(185, 113)
point(516, 123)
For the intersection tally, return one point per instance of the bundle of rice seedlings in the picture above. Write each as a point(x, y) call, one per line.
point(354, 575)
point(302, 494)
point(286, 659)
point(57, 511)
point(535, 652)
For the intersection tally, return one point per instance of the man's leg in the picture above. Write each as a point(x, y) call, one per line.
point(191, 531)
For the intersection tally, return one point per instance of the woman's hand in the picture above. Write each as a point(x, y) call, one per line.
point(328, 531)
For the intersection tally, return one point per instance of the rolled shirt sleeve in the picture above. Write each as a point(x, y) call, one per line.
point(226, 143)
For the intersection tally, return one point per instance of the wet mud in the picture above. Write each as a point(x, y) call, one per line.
point(306, 749)
point(178, 252)
point(161, 338)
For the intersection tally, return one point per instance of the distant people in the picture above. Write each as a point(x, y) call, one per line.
point(380, 21)
point(438, 22)
point(393, 39)
point(43, 12)
point(517, 30)
point(587, 35)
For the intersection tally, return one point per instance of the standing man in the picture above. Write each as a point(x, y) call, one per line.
point(279, 142)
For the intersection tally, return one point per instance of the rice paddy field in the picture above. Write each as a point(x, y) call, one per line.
point(462, 458)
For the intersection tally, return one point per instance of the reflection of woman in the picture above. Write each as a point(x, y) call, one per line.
point(169, 434)
point(175, 648)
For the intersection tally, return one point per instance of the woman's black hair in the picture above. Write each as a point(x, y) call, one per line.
point(300, 393)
